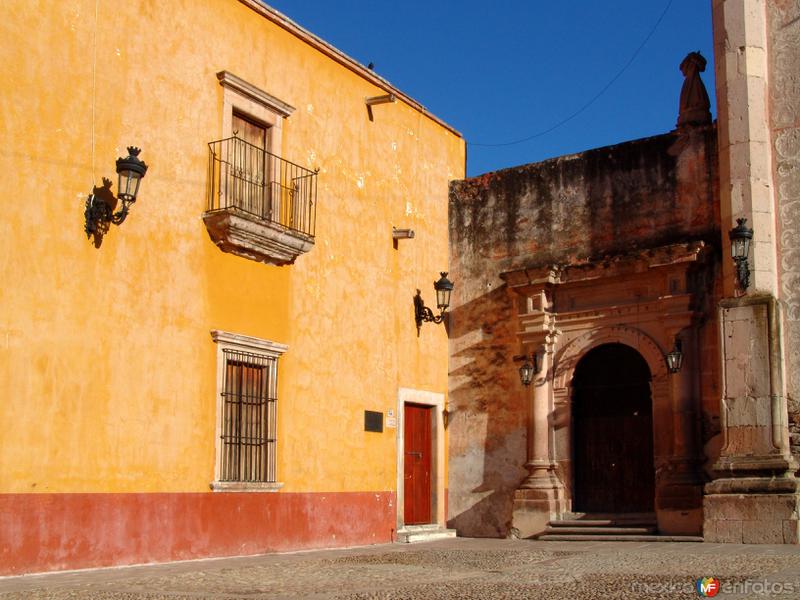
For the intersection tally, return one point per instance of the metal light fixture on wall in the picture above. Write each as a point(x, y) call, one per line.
point(99, 213)
point(531, 367)
point(675, 357)
point(373, 100)
point(740, 237)
point(424, 314)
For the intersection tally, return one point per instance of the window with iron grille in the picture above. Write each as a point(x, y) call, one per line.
point(247, 385)
point(248, 431)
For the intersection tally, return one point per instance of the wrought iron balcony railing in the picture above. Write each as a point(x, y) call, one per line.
point(251, 180)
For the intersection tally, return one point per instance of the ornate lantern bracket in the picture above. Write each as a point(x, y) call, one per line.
point(422, 313)
point(99, 211)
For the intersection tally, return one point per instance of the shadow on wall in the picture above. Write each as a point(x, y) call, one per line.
point(488, 416)
point(98, 212)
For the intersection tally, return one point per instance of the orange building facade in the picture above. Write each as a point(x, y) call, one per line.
point(228, 369)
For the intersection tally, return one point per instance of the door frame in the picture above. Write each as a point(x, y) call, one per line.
point(649, 461)
point(436, 401)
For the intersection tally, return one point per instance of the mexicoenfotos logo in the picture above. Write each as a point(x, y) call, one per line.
point(708, 587)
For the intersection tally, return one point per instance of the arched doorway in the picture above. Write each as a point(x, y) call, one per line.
point(612, 417)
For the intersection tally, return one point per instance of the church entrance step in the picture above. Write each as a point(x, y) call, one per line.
point(547, 537)
point(423, 533)
point(609, 527)
point(601, 530)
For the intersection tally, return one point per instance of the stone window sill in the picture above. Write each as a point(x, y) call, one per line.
point(242, 486)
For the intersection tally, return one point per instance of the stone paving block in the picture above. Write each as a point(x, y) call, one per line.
point(449, 569)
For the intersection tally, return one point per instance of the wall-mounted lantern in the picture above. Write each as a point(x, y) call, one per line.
point(740, 237)
point(531, 367)
point(99, 211)
point(675, 357)
point(422, 313)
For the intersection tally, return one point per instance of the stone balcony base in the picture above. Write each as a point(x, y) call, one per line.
point(244, 235)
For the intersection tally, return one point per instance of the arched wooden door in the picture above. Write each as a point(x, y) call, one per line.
point(612, 420)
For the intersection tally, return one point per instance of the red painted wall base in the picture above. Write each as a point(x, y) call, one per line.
point(48, 532)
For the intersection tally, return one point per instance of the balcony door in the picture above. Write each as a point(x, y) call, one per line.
point(251, 177)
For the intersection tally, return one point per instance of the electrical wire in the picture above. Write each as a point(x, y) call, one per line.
point(594, 98)
point(94, 83)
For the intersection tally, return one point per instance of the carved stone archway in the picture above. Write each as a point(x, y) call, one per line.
point(640, 300)
point(566, 359)
point(569, 355)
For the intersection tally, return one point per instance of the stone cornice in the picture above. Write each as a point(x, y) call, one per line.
point(246, 342)
point(640, 261)
point(229, 80)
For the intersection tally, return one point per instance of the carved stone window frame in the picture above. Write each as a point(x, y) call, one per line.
point(245, 98)
point(226, 340)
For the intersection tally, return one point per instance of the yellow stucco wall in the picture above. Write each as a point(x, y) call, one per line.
point(107, 368)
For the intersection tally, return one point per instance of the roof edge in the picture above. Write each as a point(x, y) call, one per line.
point(332, 52)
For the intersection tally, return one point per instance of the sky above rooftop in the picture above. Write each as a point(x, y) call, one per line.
point(568, 75)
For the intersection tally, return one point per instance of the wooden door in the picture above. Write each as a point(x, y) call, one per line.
point(613, 432)
point(417, 464)
point(251, 167)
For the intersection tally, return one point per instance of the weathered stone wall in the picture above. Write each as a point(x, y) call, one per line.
point(608, 201)
point(784, 56)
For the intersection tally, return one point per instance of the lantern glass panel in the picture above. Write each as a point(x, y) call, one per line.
point(740, 247)
point(526, 373)
point(129, 184)
point(443, 298)
point(134, 182)
point(124, 180)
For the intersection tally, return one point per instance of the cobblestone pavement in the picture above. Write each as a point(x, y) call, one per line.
point(455, 568)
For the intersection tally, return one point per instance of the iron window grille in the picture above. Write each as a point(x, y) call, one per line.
point(249, 418)
point(247, 178)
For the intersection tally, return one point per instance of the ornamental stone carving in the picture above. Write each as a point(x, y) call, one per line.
point(784, 27)
point(694, 102)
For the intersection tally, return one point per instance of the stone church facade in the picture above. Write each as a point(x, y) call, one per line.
point(592, 268)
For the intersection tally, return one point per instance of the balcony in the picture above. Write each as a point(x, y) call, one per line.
point(260, 206)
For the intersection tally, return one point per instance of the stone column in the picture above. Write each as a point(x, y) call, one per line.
point(754, 498)
point(540, 497)
point(540, 464)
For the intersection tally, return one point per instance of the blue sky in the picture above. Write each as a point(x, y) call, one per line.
point(510, 69)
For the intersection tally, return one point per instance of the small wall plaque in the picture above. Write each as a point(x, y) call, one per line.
point(373, 421)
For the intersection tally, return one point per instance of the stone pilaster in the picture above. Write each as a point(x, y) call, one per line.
point(754, 498)
point(680, 498)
